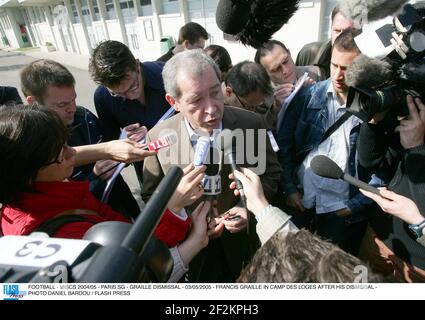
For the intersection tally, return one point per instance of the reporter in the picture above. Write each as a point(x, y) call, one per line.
point(35, 167)
point(288, 254)
point(399, 161)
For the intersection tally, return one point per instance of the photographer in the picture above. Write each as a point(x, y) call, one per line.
point(389, 244)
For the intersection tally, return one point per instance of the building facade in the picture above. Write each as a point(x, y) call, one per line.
point(77, 26)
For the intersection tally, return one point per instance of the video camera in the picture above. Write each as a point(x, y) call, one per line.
point(110, 251)
point(399, 43)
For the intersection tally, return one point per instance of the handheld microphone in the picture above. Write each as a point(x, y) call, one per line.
point(201, 151)
point(163, 142)
point(225, 142)
point(326, 168)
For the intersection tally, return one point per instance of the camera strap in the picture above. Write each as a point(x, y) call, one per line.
point(52, 225)
point(336, 125)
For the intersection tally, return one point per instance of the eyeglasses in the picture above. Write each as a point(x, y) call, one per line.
point(133, 87)
point(60, 158)
point(250, 107)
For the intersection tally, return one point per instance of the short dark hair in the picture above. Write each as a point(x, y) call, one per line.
point(192, 32)
point(110, 61)
point(37, 76)
point(266, 48)
point(345, 41)
point(303, 257)
point(30, 137)
point(247, 77)
point(220, 55)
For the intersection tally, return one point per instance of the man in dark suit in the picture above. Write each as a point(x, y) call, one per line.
point(192, 83)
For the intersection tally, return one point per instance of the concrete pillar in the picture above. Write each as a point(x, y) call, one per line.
point(121, 22)
point(49, 19)
point(32, 17)
point(74, 39)
point(157, 22)
point(102, 11)
point(184, 9)
point(83, 25)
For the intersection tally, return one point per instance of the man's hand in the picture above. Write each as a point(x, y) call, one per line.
point(126, 151)
point(396, 205)
point(294, 201)
point(281, 92)
point(104, 169)
point(235, 220)
point(412, 130)
point(189, 189)
point(135, 132)
point(256, 201)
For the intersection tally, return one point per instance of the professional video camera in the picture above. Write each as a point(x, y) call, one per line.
point(110, 251)
point(392, 65)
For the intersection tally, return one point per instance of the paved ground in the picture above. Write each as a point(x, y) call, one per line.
point(12, 62)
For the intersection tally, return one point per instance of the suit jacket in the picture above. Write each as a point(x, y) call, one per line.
point(235, 247)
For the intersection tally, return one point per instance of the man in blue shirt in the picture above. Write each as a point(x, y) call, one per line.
point(129, 92)
point(337, 207)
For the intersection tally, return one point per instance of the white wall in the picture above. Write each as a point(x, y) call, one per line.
point(302, 28)
point(171, 24)
point(114, 30)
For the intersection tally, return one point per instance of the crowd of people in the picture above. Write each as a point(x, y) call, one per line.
point(59, 160)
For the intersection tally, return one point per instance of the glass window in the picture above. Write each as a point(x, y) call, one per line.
point(146, 7)
point(110, 10)
point(170, 6)
point(127, 8)
point(96, 10)
point(74, 12)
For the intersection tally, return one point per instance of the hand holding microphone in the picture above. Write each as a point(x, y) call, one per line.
point(326, 168)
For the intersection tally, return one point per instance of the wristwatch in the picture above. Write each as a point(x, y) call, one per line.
point(417, 229)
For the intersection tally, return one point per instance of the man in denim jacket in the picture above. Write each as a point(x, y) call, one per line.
point(334, 205)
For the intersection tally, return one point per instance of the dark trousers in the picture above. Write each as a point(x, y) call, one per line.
point(339, 230)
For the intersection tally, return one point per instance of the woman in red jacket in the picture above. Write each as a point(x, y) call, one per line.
point(35, 166)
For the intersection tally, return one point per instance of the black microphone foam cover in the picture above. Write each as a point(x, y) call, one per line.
point(232, 15)
point(325, 167)
point(365, 72)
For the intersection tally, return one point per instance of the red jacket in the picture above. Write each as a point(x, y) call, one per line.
point(53, 198)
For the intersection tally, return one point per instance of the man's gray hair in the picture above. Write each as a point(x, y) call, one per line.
point(193, 62)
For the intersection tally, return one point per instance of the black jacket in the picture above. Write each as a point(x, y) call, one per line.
point(379, 149)
point(9, 94)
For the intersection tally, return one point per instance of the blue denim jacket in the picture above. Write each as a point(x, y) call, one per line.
point(302, 129)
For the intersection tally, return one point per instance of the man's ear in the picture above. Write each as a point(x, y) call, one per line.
point(186, 44)
point(30, 99)
point(229, 91)
point(172, 102)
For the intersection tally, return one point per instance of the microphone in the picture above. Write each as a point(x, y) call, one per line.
point(232, 15)
point(121, 263)
point(226, 141)
point(326, 168)
point(365, 72)
point(253, 22)
point(372, 10)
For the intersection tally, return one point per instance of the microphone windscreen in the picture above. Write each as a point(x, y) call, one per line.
point(365, 72)
point(326, 168)
point(232, 15)
point(266, 17)
point(371, 10)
